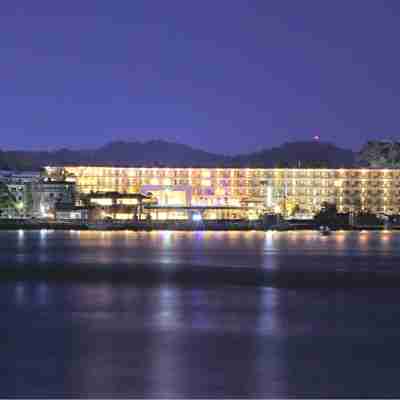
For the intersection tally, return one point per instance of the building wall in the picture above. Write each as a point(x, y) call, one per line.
point(171, 195)
point(208, 186)
point(372, 190)
point(45, 196)
point(275, 190)
point(71, 215)
point(20, 186)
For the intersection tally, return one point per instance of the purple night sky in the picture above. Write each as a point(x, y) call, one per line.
point(223, 75)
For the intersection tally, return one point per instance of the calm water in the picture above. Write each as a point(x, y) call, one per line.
point(125, 340)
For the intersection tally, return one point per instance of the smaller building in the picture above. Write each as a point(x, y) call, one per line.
point(8, 207)
point(169, 195)
point(67, 212)
point(47, 194)
point(195, 213)
point(119, 206)
point(20, 185)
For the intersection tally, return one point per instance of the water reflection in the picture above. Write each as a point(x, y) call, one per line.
point(43, 237)
point(270, 250)
point(42, 293)
point(21, 236)
point(155, 342)
point(105, 340)
point(168, 341)
point(168, 305)
point(20, 293)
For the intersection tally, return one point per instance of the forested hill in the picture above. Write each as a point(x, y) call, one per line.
point(162, 153)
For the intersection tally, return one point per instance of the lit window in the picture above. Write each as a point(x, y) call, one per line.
point(102, 202)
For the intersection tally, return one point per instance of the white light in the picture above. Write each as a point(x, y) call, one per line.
point(21, 235)
point(196, 217)
point(269, 196)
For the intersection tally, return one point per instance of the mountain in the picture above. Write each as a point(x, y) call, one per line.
point(380, 154)
point(155, 152)
point(162, 153)
point(295, 154)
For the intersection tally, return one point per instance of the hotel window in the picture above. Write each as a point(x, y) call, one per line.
point(205, 174)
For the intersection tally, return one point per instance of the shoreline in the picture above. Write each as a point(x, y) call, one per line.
point(67, 226)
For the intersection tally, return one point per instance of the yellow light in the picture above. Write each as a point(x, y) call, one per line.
point(128, 201)
point(252, 216)
point(220, 191)
point(102, 202)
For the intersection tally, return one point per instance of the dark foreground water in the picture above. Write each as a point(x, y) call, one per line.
point(168, 339)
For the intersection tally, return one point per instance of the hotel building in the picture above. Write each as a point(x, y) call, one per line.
point(230, 193)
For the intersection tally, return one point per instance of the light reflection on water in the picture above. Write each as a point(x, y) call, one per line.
point(227, 249)
point(140, 341)
point(78, 340)
point(102, 339)
point(20, 293)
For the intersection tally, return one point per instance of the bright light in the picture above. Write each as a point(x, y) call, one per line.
point(102, 202)
point(337, 183)
point(196, 217)
point(269, 196)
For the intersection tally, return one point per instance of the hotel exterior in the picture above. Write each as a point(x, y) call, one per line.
point(232, 193)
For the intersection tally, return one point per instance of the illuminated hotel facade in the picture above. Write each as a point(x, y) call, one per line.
point(245, 192)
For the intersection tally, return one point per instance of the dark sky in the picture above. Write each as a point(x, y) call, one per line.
point(223, 75)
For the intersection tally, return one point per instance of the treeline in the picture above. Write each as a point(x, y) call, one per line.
point(161, 153)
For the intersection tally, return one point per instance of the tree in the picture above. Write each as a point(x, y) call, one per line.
point(292, 207)
point(316, 164)
point(327, 214)
point(282, 164)
point(7, 200)
point(28, 198)
point(329, 209)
